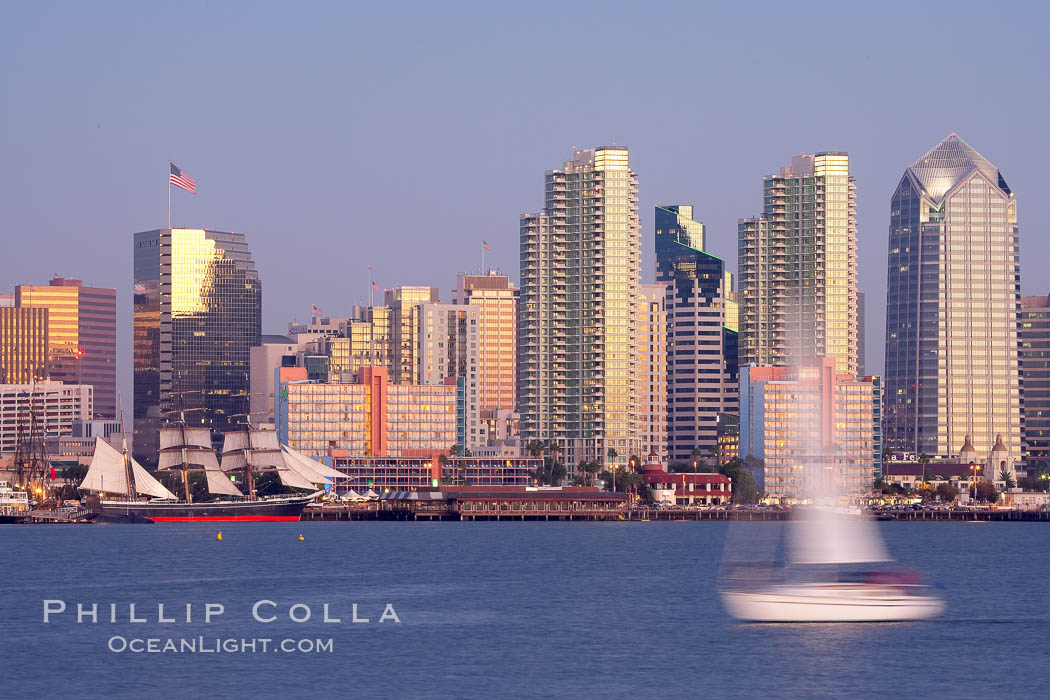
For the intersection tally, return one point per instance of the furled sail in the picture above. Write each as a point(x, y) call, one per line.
point(179, 436)
point(196, 456)
point(186, 446)
point(107, 474)
point(261, 445)
point(825, 536)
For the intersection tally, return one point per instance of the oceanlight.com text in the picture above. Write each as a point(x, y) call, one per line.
point(218, 645)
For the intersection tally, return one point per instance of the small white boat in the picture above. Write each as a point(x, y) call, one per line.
point(823, 538)
point(833, 602)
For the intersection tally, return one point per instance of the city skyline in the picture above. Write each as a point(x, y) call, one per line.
point(707, 150)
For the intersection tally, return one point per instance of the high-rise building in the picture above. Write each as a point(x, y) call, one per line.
point(448, 350)
point(701, 333)
point(198, 311)
point(55, 406)
point(952, 302)
point(273, 352)
point(23, 345)
point(577, 326)
point(798, 267)
point(651, 391)
point(82, 336)
point(813, 427)
point(369, 417)
point(404, 304)
point(494, 296)
point(862, 359)
point(366, 340)
point(1033, 334)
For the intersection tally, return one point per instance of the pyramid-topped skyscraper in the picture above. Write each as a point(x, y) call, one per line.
point(953, 296)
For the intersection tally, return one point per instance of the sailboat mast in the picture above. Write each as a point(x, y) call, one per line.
point(129, 475)
point(185, 464)
point(249, 477)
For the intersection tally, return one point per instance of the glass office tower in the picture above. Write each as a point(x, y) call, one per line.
point(580, 270)
point(82, 336)
point(798, 267)
point(23, 345)
point(702, 377)
point(198, 311)
point(1034, 365)
point(952, 303)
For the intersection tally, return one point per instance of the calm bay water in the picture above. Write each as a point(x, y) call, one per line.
point(504, 610)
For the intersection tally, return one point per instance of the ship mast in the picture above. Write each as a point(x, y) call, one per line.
point(251, 450)
point(183, 465)
point(31, 461)
point(128, 471)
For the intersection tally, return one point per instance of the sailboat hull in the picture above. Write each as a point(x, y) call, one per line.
point(831, 603)
point(275, 510)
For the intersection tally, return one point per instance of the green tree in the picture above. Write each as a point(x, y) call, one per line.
point(986, 491)
point(744, 488)
point(613, 454)
point(557, 473)
point(947, 492)
point(1033, 483)
point(535, 448)
point(454, 450)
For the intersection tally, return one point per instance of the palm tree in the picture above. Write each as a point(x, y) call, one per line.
point(1007, 477)
point(924, 459)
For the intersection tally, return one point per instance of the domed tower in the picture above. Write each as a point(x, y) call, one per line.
point(999, 459)
point(967, 455)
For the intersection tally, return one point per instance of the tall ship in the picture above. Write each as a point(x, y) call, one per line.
point(126, 492)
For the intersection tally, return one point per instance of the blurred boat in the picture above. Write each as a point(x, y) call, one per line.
point(820, 540)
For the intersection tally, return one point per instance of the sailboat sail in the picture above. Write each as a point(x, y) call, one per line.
point(178, 437)
point(107, 473)
point(824, 536)
point(219, 483)
point(293, 479)
point(310, 468)
point(198, 456)
point(260, 449)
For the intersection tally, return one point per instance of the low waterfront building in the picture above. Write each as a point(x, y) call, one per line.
point(508, 503)
point(910, 474)
point(813, 428)
point(55, 406)
point(686, 489)
point(1026, 500)
point(383, 474)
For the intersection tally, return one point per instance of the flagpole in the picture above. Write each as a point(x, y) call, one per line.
point(169, 196)
point(483, 257)
point(370, 284)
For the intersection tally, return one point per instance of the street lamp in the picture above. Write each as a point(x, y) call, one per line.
point(973, 477)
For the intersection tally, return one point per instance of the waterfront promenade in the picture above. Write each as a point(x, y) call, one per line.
point(542, 511)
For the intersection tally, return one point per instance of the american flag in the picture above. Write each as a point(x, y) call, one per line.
point(485, 245)
point(181, 179)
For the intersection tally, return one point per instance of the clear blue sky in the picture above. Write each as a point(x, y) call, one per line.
point(403, 134)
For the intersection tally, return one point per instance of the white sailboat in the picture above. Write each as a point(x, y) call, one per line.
point(821, 539)
point(115, 473)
